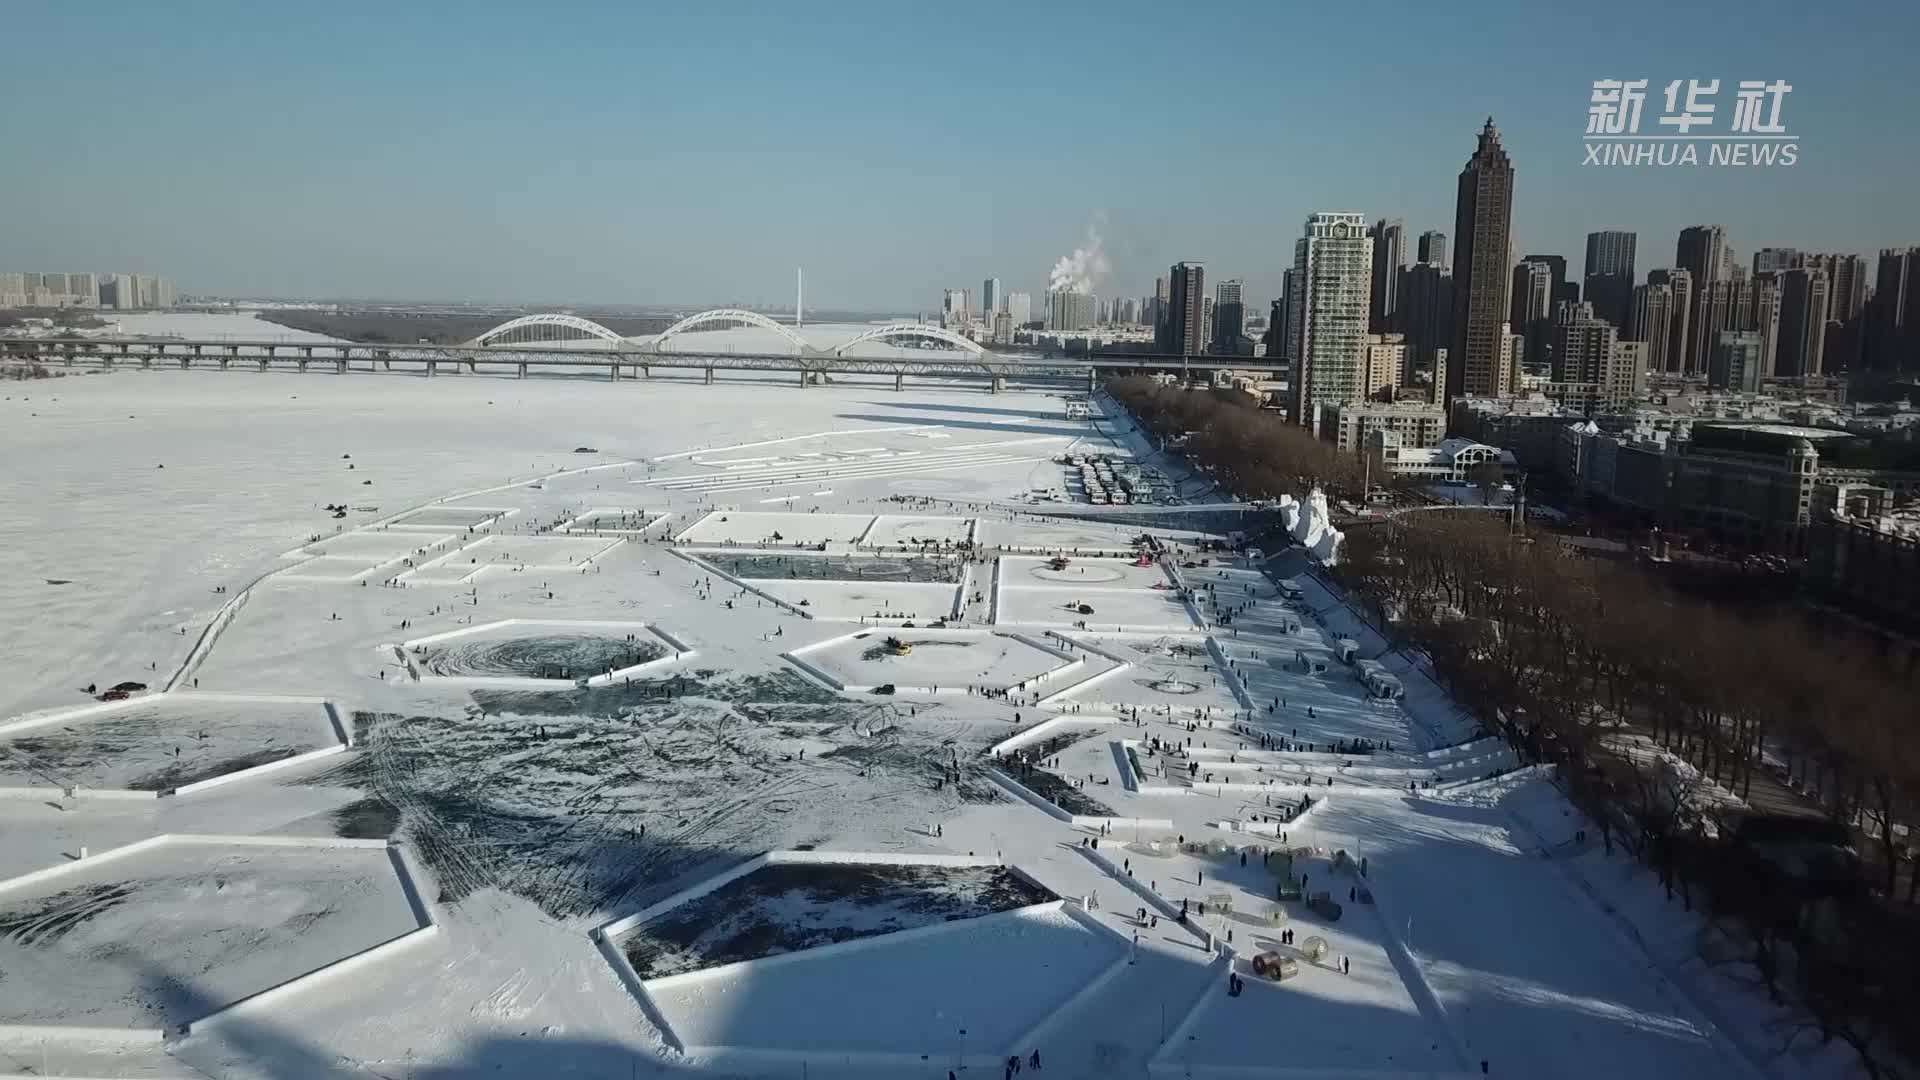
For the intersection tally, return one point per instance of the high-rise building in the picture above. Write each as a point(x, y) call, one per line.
point(1738, 361)
point(1560, 290)
point(1626, 375)
point(1804, 299)
point(1426, 315)
point(1020, 306)
point(1726, 304)
point(1229, 316)
point(1482, 229)
point(1702, 252)
point(1772, 260)
point(1582, 345)
point(991, 298)
point(1389, 258)
point(121, 288)
point(1609, 275)
point(1679, 284)
point(1285, 302)
point(1531, 306)
point(1159, 320)
point(83, 290)
point(953, 308)
point(1766, 320)
point(1847, 283)
point(1184, 328)
point(1652, 322)
point(61, 290)
point(1276, 339)
point(1512, 347)
point(1893, 341)
point(1002, 328)
point(1332, 268)
point(1384, 364)
point(1069, 311)
point(1432, 249)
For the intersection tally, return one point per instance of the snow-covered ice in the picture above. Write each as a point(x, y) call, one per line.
point(156, 744)
point(159, 513)
point(171, 933)
point(956, 659)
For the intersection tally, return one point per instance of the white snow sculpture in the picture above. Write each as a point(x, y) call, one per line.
point(1289, 513)
point(1313, 529)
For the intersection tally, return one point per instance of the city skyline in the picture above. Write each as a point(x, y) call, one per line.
point(393, 184)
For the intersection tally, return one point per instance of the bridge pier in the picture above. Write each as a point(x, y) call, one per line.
point(613, 372)
point(185, 362)
point(432, 366)
point(999, 384)
point(263, 363)
point(146, 363)
point(899, 381)
point(709, 376)
point(523, 369)
point(340, 366)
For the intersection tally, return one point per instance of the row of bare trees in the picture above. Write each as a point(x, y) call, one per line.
point(1248, 451)
point(1686, 733)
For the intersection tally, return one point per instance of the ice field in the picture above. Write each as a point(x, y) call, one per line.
point(460, 884)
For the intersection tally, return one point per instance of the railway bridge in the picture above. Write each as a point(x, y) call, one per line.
point(569, 344)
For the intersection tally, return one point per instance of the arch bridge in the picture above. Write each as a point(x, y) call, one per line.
point(912, 330)
point(545, 330)
point(730, 315)
point(534, 330)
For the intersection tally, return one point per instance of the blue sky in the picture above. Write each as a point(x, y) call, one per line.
point(697, 153)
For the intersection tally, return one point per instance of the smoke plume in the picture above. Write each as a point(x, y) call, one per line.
point(1080, 271)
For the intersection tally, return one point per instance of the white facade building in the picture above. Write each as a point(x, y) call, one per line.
point(1332, 282)
point(1020, 306)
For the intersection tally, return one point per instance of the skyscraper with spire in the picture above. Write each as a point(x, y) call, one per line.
point(1482, 235)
